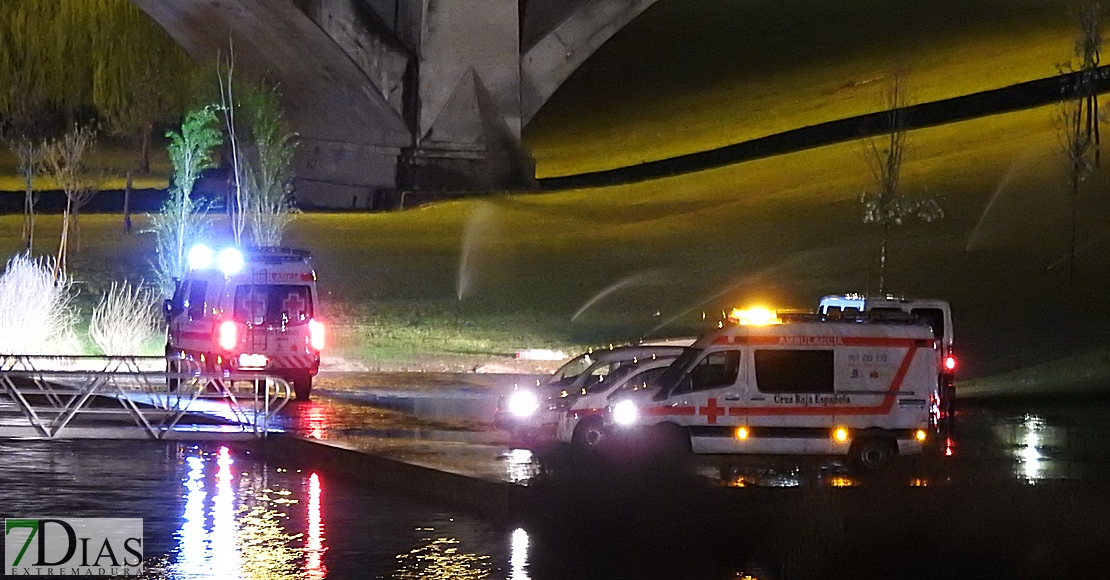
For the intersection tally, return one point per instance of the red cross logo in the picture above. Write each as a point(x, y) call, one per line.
point(293, 305)
point(711, 411)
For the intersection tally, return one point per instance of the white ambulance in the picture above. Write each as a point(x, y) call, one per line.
point(800, 385)
point(583, 423)
point(936, 313)
point(250, 310)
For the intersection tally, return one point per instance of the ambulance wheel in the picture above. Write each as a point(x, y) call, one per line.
point(302, 384)
point(872, 453)
point(589, 433)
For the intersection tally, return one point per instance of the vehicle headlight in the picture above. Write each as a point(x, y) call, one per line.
point(523, 403)
point(625, 412)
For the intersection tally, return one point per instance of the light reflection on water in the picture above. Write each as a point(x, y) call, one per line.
point(236, 525)
point(238, 539)
point(1029, 457)
point(519, 555)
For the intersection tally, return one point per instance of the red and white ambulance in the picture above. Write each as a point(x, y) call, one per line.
point(936, 313)
point(250, 310)
point(803, 384)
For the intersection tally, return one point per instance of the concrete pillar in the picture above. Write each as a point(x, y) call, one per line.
point(467, 107)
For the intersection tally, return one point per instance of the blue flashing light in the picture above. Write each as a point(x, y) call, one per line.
point(200, 257)
point(230, 261)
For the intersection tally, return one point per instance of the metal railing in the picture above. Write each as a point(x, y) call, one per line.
point(135, 397)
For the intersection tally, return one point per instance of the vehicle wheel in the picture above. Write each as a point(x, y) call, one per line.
point(589, 433)
point(872, 453)
point(302, 384)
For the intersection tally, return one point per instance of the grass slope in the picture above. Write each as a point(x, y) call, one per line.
point(648, 259)
point(693, 75)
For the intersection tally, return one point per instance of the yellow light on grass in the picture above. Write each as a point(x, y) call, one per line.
point(840, 435)
point(754, 316)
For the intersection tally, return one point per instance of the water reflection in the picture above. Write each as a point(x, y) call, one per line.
point(522, 465)
point(439, 559)
point(518, 558)
point(1029, 457)
point(244, 532)
point(314, 548)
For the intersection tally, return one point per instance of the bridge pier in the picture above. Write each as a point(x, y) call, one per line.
point(395, 95)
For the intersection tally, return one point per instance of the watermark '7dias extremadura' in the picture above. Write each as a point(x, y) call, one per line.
point(73, 546)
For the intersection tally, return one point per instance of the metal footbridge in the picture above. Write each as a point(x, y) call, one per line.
point(82, 397)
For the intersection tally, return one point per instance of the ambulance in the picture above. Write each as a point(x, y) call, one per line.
point(531, 414)
point(582, 423)
point(936, 313)
point(254, 309)
point(857, 386)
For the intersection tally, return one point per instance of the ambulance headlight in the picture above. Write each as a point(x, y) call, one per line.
point(625, 413)
point(200, 257)
point(230, 261)
point(523, 403)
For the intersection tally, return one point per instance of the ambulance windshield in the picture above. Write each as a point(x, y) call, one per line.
point(273, 304)
point(573, 369)
point(673, 374)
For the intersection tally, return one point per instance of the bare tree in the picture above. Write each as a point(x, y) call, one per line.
point(236, 207)
point(1079, 149)
point(29, 156)
point(885, 206)
point(1088, 48)
point(64, 160)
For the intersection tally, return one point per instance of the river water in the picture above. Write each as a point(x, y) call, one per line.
point(1021, 489)
point(210, 512)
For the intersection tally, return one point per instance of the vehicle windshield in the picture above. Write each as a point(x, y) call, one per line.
point(673, 374)
point(570, 371)
point(273, 304)
point(607, 375)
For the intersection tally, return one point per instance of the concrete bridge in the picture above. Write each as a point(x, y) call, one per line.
point(392, 95)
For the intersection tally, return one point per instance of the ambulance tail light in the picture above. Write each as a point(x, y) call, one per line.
point(316, 334)
point(228, 335)
point(950, 363)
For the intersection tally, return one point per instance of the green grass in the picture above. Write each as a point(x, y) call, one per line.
point(783, 230)
point(112, 158)
point(654, 258)
point(693, 75)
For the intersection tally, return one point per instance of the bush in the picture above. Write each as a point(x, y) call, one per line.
point(37, 315)
point(127, 321)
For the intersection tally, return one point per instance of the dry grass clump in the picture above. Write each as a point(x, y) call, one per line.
point(37, 315)
point(127, 321)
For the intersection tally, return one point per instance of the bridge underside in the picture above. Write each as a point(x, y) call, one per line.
point(394, 95)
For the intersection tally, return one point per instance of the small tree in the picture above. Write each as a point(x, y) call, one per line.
point(63, 159)
point(1088, 49)
point(886, 206)
point(29, 156)
point(236, 206)
point(1079, 150)
point(268, 172)
point(180, 220)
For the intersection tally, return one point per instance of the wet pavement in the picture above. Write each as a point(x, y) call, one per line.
point(1026, 441)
